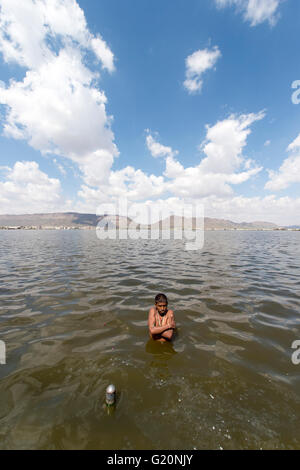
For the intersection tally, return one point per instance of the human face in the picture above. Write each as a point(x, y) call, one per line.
point(161, 307)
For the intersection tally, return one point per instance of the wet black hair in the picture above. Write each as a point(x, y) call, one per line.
point(161, 298)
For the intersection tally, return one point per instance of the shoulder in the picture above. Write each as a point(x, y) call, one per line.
point(171, 313)
point(152, 311)
point(151, 316)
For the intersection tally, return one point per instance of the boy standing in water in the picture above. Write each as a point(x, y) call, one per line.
point(161, 321)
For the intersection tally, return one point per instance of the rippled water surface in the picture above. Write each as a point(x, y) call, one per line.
point(73, 315)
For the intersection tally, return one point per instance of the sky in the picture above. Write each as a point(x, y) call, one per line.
point(163, 103)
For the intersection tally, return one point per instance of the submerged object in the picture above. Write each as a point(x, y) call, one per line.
point(110, 395)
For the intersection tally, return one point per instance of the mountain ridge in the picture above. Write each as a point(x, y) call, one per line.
point(86, 220)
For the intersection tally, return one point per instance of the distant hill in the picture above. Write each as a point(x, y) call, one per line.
point(66, 219)
point(214, 224)
point(218, 224)
point(77, 220)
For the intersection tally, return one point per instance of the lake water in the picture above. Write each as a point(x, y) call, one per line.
point(73, 315)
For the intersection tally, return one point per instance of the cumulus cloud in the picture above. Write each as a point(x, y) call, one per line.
point(158, 150)
point(225, 141)
point(57, 107)
point(29, 28)
point(210, 183)
point(194, 182)
point(295, 145)
point(289, 171)
point(135, 185)
point(237, 208)
point(173, 168)
point(281, 211)
point(103, 53)
point(223, 165)
point(27, 189)
point(196, 65)
point(255, 11)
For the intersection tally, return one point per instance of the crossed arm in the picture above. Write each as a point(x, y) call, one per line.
point(166, 331)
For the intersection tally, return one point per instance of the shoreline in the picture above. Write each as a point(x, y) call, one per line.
point(279, 229)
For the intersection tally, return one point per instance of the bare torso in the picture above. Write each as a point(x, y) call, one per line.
point(156, 320)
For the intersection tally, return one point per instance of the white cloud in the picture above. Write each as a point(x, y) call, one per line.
point(128, 183)
point(225, 141)
point(289, 171)
point(197, 64)
point(255, 11)
point(57, 107)
point(173, 168)
point(295, 145)
point(267, 143)
point(194, 182)
point(26, 189)
point(281, 211)
point(135, 184)
point(60, 167)
point(224, 164)
point(158, 150)
point(103, 53)
point(27, 29)
point(209, 183)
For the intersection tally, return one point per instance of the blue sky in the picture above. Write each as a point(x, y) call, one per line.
point(153, 101)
